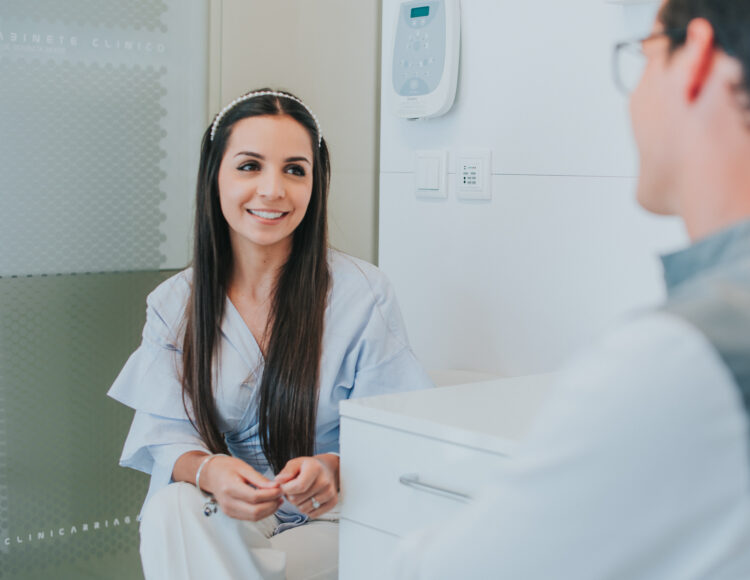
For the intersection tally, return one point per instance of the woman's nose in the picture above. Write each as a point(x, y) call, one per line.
point(271, 185)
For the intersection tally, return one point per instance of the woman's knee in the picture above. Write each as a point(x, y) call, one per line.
point(170, 500)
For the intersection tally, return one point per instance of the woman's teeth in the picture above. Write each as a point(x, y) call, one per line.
point(268, 215)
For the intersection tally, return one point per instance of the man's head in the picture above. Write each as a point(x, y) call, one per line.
point(692, 106)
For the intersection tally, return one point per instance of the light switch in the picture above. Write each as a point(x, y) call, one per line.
point(428, 173)
point(431, 174)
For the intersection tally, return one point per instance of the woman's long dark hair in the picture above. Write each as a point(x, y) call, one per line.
point(288, 393)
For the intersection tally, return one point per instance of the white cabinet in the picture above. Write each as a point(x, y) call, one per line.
point(414, 459)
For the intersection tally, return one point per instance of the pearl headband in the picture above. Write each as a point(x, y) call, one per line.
point(249, 96)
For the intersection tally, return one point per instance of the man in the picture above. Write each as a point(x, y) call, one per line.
point(639, 465)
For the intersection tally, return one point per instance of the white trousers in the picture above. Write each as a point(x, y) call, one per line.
point(179, 542)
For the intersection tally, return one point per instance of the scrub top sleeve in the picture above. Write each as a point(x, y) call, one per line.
point(149, 380)
point(153, 439)
point(153, 446)
point(149, 383)
point(400, 373)
point(386, 363)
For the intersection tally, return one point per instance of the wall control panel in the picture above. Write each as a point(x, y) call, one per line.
point(474, 174)
point(424, 71)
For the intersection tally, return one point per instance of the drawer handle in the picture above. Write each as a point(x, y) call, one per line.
point(412, 480)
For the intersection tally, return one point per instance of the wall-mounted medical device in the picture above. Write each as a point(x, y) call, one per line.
point(425, 58)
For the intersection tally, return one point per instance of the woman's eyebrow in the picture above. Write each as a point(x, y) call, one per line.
point(259, 156)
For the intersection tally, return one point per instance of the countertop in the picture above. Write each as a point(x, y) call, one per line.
point(490, 415)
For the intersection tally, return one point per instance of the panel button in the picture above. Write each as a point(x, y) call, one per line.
point(414, 86)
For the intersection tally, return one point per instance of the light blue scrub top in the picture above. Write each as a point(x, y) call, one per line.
point(365, 352)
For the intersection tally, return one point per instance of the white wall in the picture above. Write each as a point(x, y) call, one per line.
point(327, 52)
point(516, 285)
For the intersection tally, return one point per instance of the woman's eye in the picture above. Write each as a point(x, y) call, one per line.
point(296, 170)
point(249, 166)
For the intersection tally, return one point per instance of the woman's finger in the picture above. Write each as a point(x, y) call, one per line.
point(322, 494)
point(324, 507)
point(248, 494)
point(290, 471)
point(253, 512)
point(309, 471)
point(322, 482)
point(254, 478)
point(224, 473)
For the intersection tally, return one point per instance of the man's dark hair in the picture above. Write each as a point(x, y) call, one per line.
point(730, 20)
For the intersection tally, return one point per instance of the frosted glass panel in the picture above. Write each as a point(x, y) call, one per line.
point(86, 193)
point(102, 104)
point(122, 14)
point(67, 510)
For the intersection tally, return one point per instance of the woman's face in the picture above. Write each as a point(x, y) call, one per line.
point(265, 181)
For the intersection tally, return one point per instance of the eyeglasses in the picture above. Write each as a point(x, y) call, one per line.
point(629, 60)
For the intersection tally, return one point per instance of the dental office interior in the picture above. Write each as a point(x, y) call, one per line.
point(496, 194)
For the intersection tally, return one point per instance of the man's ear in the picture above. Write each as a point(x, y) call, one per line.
point(699, 52)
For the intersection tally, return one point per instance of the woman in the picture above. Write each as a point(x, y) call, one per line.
point(246, 355)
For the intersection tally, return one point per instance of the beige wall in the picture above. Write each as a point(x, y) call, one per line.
point(328, 53)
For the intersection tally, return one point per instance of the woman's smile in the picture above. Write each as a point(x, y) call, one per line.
point(267, 216)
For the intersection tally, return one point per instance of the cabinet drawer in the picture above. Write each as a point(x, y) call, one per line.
point(364, 553)
point(375, 459)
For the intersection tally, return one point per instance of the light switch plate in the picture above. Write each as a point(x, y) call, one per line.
point(431, 173)
point(474, 174)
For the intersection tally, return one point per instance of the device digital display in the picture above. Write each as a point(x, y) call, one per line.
point(420, 11)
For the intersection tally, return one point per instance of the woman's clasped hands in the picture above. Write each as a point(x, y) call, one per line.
point(309, 483)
